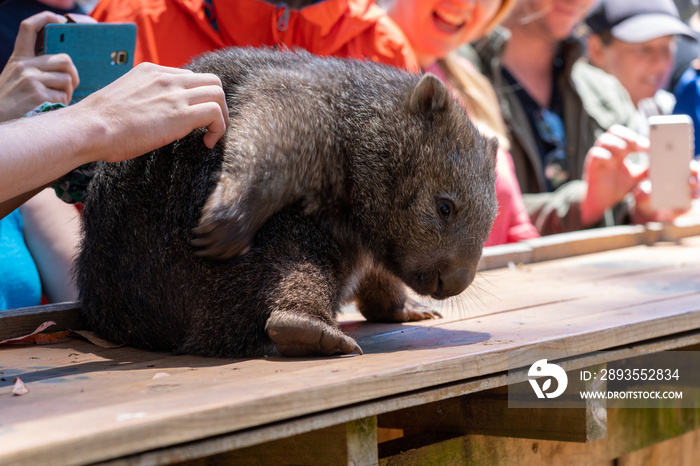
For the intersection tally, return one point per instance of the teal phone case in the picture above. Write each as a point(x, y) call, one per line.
point(101, 52)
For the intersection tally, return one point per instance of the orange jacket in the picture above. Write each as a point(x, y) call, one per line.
point(171, 32)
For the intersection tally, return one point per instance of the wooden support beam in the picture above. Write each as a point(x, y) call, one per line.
point(352, 443)
point(487, 413)
point(629, 430)
point(18, 322)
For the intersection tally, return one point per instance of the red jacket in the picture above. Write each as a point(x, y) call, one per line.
point(172, 32)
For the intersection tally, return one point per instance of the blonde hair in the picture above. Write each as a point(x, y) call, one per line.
point(504, 10)
point(475, 91)
point(477, 95)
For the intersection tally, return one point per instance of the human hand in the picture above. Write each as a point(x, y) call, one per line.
point(608, 177)
point(151, 106)
point(29, 80)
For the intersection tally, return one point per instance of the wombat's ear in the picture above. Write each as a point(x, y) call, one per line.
point(429, 95)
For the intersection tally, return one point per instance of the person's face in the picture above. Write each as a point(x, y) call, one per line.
point(553, 19)
point(642, 68)
point(436, 27)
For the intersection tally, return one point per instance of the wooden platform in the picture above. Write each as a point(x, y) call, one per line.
point(88, 404)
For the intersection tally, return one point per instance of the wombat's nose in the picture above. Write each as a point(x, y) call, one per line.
point(453, 280)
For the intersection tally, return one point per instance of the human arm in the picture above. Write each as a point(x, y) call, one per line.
point(51, 232)
point(607, 180)
point(29, 80)
point(148, 107)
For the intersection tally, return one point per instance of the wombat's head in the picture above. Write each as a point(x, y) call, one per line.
point(437, 199)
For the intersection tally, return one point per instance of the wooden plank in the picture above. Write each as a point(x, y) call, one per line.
point(570, 244)
point(119, 409)
point(503, 255)
point(586, 242)
point(203, 409)
point(209, 447)
point(682, 227)
point(425, 449)
point(19, 322)
point(353, 443)
point(679, 451)
point(195, 415)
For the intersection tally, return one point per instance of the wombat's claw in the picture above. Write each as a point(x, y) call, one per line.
point(220, 241)
point(302, 335)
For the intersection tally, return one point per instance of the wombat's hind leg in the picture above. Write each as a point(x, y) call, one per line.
point(301, 335)
point(381, 297)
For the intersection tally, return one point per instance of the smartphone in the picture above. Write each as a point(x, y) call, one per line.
point(672, 146)
point(101, 52)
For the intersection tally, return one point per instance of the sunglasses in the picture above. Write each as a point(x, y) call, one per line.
point(550, 128)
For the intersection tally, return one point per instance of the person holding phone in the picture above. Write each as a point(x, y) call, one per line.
point(148, 107)
point(28, 80)
point(571, 165)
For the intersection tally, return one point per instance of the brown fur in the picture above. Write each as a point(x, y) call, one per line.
point(337, 180)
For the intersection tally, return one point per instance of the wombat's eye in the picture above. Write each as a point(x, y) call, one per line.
point(445, 208)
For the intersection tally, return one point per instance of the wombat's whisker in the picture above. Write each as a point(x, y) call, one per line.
point(478, 285)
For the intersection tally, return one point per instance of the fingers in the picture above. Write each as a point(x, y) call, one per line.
point(621, 141)
point(58, 72)
point(207, 102)
point(641, 175)
point(29, 28)
point(46, 77)
point(216, 127)
point(600, 153)
point(61, 63)
point(174, 102)
point(635, 141)
point(214, 92)
point(598, 159)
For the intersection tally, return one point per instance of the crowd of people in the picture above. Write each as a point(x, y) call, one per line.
point(565, 85)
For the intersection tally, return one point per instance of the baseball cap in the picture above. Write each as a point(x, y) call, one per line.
point(638, 20)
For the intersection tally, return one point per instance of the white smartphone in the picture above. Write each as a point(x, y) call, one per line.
point(672, 146)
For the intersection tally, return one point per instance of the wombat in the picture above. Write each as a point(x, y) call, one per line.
point(337, 180)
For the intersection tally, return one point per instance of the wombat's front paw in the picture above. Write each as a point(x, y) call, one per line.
point(227, 225)
point(412, 311)
point(222, 239)
point(301, 335)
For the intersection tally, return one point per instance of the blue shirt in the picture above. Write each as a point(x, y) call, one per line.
point(20, 285)
point(687, 93)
